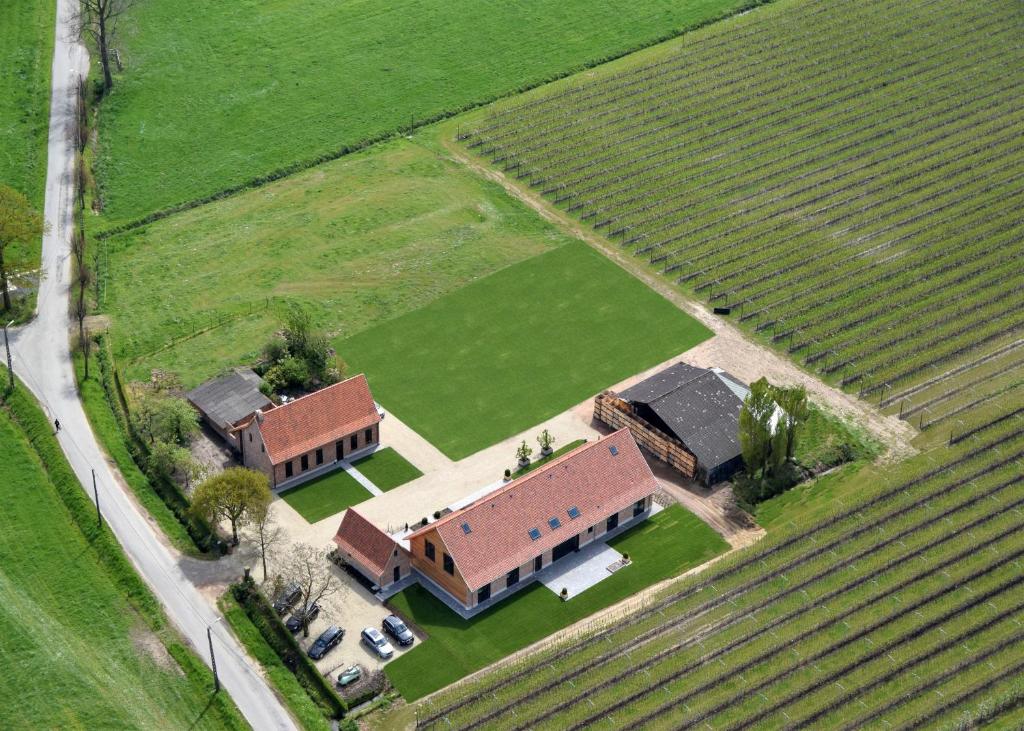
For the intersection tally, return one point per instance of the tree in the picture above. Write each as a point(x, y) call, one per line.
point(267, 536)
point(796, 411)
point(756, 433)
point(161, 418)
point(237, 495)
point(98, 19)
point(19, 224)
point(310, 569)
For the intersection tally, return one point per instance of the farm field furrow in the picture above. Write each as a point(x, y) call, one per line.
point(887, 590)
point(828, 177)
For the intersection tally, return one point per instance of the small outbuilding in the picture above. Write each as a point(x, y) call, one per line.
point(370, 551)
point(229, 401)
point(684, 415)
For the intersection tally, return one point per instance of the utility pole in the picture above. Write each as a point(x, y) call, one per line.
point(96, 494)
point(213, 660)
point(10, 366)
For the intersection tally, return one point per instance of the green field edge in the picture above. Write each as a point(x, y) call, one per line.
point(288, 170)
point(35, 426)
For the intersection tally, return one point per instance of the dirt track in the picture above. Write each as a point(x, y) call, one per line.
point(730, 349)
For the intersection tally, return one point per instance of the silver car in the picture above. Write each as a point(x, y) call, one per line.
point(373, 639)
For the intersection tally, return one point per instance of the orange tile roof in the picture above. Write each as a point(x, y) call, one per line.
point(360, 539)
point(590, 478)
point(318, 419)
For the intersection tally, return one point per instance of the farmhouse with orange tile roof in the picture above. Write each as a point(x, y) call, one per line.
point(310, 434)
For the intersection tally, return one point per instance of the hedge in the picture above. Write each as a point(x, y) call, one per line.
point(263, 616)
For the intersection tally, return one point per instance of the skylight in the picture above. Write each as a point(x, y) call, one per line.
point(574, 512)
point(554, 523)
point(614, 450)
point(534, 533)
point(466, 529)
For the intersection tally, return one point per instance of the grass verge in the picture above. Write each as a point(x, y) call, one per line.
point(664, 546)
point(90, 642)
point(518, 347)
point(281, 678)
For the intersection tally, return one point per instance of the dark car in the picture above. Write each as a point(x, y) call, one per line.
point(396, 628)
point(294, 623)
point(287, 598)
point(326, 642)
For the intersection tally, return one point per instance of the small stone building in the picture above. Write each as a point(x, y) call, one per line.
point(310, 435)
point(371, 551)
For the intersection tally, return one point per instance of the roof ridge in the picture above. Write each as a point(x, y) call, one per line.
point(320, 390)
point(501, 489)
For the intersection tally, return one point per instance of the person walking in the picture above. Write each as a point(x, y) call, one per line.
point(56, 426)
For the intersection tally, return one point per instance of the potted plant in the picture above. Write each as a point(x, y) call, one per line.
point(523, 454)
point(625, 559)
point(437, 515)
point(545, 440)
point(508, 475)
point(564, 594)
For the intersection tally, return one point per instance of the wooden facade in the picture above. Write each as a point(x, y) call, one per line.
point(617, 413)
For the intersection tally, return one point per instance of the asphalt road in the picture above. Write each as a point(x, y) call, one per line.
point(42, 359)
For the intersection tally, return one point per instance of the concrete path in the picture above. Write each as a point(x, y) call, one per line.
point(361, 478)
point(42, 359)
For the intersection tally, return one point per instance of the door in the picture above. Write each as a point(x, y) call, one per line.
point(398, 573)
point(565, 548)
point(612, 523)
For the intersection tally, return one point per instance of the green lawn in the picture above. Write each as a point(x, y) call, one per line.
point(26, 54)
point(217, 93)
point(387, 469)
point(518, 347)
point(325, 496)
point(357, 241)
point(77, 653)
point(668, 544)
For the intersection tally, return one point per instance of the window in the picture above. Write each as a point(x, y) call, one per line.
point(396, 552)
point(640, 506)
point(339, 450)
point(353, 441)
point(288, 469)
point(590, 529)
point(538, 563)
point(612, 523)
point(368, 436)
point(512, 578)
point(483, 594)
point(614, 451)
point(466, 529)
point(250, 436)
point(305, 462)
point(263, 448)
point(428, 550)
point(534, 534)
point(449, 565)
point(554, 523)
point(319, 456)
point(574, 512)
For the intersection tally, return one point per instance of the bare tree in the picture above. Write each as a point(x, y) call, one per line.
point(267, 536)
point(309, 568)
point(98, 19)
point(86, 349)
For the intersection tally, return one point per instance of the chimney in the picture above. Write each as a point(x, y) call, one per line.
point(259, 416)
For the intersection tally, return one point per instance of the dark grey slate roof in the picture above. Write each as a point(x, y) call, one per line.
point(228, 399)
point(700, 406)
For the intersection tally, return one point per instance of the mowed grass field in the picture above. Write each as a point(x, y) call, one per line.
point(215, 94)
point(76, 654)
point(357, 241)
point(664, 546)
point(846, 182)
point(518, 347)
point(26, 53)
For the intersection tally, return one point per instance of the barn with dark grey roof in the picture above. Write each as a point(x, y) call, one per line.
point(229, 401)
point(696, 409)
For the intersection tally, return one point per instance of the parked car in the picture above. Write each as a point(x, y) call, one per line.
point(326, 642)
point(373, 639)
point(349, 676)
point(396, 628)
point(287, 598)
point(294, 623)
